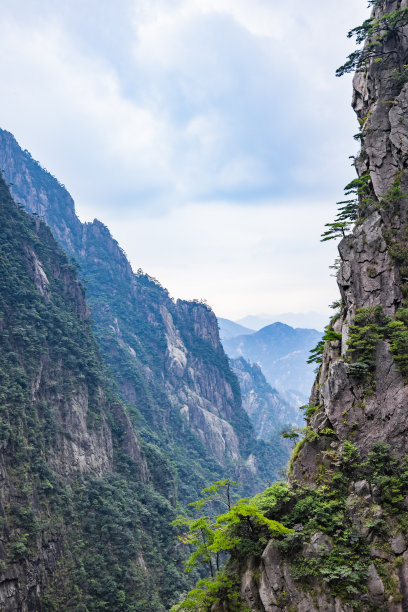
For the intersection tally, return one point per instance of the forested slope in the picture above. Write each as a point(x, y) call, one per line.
point(165, 355)
point(84, 523)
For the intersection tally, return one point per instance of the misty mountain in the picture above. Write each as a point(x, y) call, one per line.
point(230, 329)
point(309, 320)
point(282, 352)
point(268, 410)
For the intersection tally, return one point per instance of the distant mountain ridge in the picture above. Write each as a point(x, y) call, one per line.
point(282, 352)
point(308, 320)
point(230, 329)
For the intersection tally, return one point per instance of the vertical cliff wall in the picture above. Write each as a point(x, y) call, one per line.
point(372, 275)
point(86, 505)
point(64, 441)
point(347, 497)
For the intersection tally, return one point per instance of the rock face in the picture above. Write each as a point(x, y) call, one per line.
point(357, 417)
point(371, 271)
point(166, 356)
point(269, 412)
point(55, 411)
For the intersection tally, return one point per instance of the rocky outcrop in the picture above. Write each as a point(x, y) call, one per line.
point(197, 382)
point(357, 432)
point(370, 273)
point(276, 586)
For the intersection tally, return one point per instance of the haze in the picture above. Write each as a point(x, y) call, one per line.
point(210, 136)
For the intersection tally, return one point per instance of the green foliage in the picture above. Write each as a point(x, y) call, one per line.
point(219, 492)
point(278, 493)
point(342, 558)
point(398, 333)
point(350, 457)
point(295, 453)
point(386, 472)
point(309, 435)
point(375, 33)
point(204, 535)
point(348, 210)
point(310, 409)
point(369, 327)
point(117, 527)
point(223, 588)
point(395, 194)
point(245, 512)
point(240, 529)
point(292, 433)
point(345, 570)
point(317, 352)
point(342, 563)
point(35, 329)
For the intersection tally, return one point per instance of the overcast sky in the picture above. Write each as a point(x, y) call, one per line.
point(211, 136)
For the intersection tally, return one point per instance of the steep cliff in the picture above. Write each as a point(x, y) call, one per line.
point(83, 522)
point(347, 497)
point(361, 387)
point(166, 356)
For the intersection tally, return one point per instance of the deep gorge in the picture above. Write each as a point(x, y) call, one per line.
point(119, 406)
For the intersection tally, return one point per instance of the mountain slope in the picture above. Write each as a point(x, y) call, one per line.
point(304, 320)
point(229, 329)
point(83, 520)
point(282, 353)
point(267, 409)
point(165, 356)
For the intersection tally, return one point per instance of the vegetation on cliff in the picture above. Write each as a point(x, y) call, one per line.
point(347, 495)
point(90, 506)
point(241, 529)
point(165, 356)
point(75, 500)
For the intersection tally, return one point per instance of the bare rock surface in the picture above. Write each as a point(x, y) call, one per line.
point(356, 409)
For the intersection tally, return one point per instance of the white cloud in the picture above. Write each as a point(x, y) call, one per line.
point(246, 258)
point(210, 87)
point(143, 107)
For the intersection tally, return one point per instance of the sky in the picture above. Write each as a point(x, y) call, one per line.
point(210, 136)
